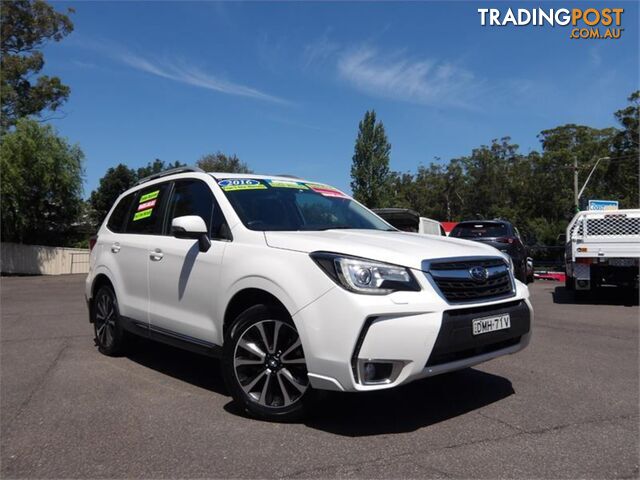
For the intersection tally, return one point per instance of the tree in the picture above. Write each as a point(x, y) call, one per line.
point(112, 184)
point(26, 26)
point(41, 184)
point(622, 172)
point(219, 162)
point(370, 165)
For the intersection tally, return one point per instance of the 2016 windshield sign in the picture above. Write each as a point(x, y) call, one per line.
point(585, 22)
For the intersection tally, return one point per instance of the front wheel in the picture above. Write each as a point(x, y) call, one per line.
point(264, 365)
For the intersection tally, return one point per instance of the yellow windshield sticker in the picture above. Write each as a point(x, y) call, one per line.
point(143, 214)
point(234, 184)
point(149, 196)
point(287, 184)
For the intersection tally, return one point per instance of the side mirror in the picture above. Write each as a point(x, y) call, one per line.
point(191, 227)
point(562, 238)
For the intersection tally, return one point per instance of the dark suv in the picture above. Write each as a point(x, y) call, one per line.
point(499, 234)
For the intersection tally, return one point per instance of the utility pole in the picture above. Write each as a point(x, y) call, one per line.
point(576, 198)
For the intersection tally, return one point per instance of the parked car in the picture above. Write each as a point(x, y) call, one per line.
point(297, 287)
point(530, 270)
point(409, 220)
point(499, 234)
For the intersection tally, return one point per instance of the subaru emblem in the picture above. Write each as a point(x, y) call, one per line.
point(479, 274)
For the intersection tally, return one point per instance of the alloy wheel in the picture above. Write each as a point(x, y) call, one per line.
point(269, 364)
point(105, 320)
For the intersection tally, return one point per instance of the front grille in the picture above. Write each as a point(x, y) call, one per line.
point(440, 358)
point(455, 283)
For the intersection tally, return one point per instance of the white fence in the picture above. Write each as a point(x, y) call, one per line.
point(39, 260)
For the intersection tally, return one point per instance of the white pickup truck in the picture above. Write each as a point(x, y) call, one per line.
point(603, 247)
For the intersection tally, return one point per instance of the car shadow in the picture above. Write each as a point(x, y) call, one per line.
point(411, 407)
point(604, 296)
point(193, 368)
point(404, 409)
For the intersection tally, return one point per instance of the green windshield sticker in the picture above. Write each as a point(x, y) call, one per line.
point(234, 184)
point(149, 196)
point(143, 214)
point(286, 184)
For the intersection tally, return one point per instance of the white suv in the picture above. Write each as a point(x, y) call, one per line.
point(297, 287)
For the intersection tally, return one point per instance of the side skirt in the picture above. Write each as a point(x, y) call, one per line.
point(172, 338)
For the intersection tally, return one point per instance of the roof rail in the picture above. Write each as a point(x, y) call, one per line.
point(171, 171)
point(287, 175)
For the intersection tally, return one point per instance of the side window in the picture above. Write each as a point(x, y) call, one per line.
point(146, 215)
point(118, 218)
point(191, 197)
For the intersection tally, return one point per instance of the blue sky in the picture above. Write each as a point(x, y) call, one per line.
point(284, 84)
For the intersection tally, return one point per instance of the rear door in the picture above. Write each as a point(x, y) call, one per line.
point(144, 221)
point(183, 281)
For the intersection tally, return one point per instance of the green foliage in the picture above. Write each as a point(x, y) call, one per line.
point(41, 185)
point(112, 184)
point(26, 26)
point(370, 167)
point(534, 191)
point(219, 162)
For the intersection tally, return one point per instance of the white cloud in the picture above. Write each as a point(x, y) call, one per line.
point(319, 50)
point(182, 72)
point(426, 82)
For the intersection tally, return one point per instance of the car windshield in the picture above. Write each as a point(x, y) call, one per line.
point(289, 205)
point(479, 230)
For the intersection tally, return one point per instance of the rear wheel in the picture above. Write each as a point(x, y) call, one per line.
point(264, 365)
point(109, 336)
point(568, 283)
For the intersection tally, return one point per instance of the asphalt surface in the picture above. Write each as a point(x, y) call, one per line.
point(565, 407)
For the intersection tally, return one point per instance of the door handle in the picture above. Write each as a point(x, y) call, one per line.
point(115, 248)
point(156, 255)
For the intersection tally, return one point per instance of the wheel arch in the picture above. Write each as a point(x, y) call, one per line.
point(246, 298)
point(100, 280)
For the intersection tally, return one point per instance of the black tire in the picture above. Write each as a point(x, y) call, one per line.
point(569, 283)
point(110, 338)
point(522, 273)
point(265, 380)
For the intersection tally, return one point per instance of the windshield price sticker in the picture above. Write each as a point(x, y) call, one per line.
point(287, 184)
point(326, 190)
point(234, 184)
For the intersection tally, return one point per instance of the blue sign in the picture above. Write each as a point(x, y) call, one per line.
point(603, 205)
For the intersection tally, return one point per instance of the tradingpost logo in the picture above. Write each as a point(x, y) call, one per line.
point(583, 23)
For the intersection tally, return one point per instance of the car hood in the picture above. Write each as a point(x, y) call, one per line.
point(400, 248)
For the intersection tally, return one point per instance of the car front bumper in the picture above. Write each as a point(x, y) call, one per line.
point(412, 332)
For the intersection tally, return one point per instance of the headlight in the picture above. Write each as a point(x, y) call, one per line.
point(365, 276)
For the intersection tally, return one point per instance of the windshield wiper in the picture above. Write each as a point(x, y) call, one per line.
point(336, 227)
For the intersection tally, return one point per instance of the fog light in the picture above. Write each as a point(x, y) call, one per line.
point(369, 372)
point(376, 372)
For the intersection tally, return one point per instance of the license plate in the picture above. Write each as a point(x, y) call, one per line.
point(491, 324)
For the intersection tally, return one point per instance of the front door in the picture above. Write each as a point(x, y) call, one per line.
point(182, 279)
